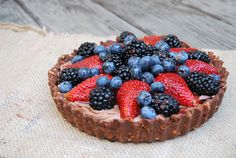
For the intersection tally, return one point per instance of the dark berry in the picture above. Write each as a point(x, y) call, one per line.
point(86, 49)
point(172, 41)
point(165, 104)
point(162, 54)
point(135, 48)
point(123, 72)
point(199, 55)
point(202, 84)
point(71, 75)
point(102, 98)
point(117, 59)
point(123, 35)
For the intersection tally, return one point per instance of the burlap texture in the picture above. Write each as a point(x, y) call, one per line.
point(31, 126)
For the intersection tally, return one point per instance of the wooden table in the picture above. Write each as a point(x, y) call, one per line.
point(205, 24)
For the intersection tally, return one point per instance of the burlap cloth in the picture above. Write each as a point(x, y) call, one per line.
point(31, 126)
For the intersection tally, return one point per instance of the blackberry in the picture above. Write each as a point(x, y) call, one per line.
point(123, 35)
point(199, 55)
point(86, 49)
point(70, 75)
point(149, 51)
point(102, 98)
point(202, 84)
point(165, 104)
point(161, 54)
point(116, 59)
point(172, 41)
point(135, 48)
point(123, 72)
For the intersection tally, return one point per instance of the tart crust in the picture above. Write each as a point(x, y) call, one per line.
point(144, 130)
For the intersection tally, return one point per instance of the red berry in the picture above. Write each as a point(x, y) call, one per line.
point(177, 50)
point(152, 39)
point(127, 98)
point(82, 90)
point(89, 62)
point(177, 88)
point(200, 66)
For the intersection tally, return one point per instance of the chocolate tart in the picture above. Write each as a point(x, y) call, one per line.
point(139, 130)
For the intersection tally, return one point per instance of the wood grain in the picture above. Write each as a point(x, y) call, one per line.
point(77, 17)
point(11, 12)
point(171, 16)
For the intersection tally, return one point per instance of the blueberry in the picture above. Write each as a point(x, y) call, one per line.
point(144, 98)
point(157, 69)
point(84, 73)
point(115, 48)
point(100, 49)
point(103, 56)
point(157, 87)
point(162, 46)
point(173, 55)
point(116, 82)
point(169, 65)
point(76, 59)
point(181, 57)
point(134, 61)
point(136, 72)
point(147, 77)
point(145, 63)
point(65, 86)
point(183, 71)
point(108, 67)
point(155, 59)
point(102, 81)
point(129, 39)
point(215, 77)
point(94, 71)
point(148, 112)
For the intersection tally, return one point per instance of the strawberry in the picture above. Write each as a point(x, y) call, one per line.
point(152, 40)
point(200, 66)
point(177, 88)
point(89, 62)
point(82, 90)
point(127, 98)
point(177, 50)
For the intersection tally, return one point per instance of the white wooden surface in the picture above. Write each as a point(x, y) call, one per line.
point(204, 24)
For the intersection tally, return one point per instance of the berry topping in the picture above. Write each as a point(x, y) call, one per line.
point(165, 104)
point(157, 87)
point(135, 48)
point(157, 69)
point(155, 60)
point(116, 82)
point(123, 35)
point(144, 98)
point(103, 56)
point(117, 59)
point(94, 71)
point(102, 81)
point(136, 72)
point(199, 55)
point(65, 87)
point(127, 98)
point(168, 65)
point(100, 49)
point(177, 88)
point(200, 66)
point(70, 75)
point(182, 49)
point(172, 41)
point(108, 67)
point(89, 62)
point(134, 61)
point(86, 49)
point(183, 71)
point(162, 54)
point(146, 63)
point(84, 73)
point(162, 46)
point(147, 77)
point(76, 59)
point(181, 57)
point(151, 40)
point(202, 84)
point(115, 48)
point(148, 112)
point(101, 98)
point(129, 39)
point(215, 77)
point(82, 90)
point(123, 72)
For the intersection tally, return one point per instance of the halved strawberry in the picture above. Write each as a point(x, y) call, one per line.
point(152, 39)
point(177, 88)
point(200, 66)
point(127, 98)
point(177, 50)
point(82, 90)
point(89, 62)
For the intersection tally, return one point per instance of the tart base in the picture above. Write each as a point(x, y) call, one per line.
point(144, 130)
